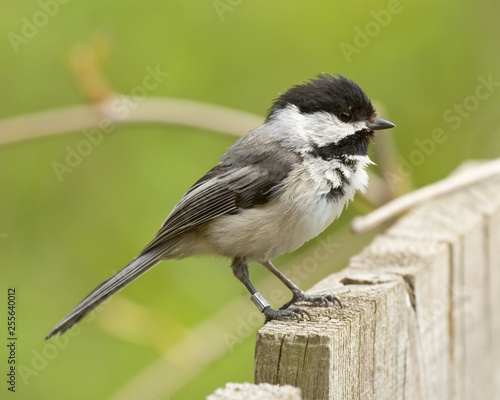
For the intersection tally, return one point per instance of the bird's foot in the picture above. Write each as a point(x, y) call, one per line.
point(293, 313)
point(315, 300)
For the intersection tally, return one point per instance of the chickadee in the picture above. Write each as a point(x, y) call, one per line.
point(276, 188)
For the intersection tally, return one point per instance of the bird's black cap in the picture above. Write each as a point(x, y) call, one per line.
point(333, 94)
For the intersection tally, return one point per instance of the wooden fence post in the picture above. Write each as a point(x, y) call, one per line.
point(421, 316)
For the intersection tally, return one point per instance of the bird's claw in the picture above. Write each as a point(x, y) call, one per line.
point(315, 300)
point(288, 314)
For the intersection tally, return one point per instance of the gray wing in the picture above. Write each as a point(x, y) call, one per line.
point(246, 178)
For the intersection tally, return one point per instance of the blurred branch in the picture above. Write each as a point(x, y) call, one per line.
point(150, 110)
point(386, 150)
point(403, 203)
point(377, 192)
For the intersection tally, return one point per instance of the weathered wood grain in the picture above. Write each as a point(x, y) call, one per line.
point(339, 352)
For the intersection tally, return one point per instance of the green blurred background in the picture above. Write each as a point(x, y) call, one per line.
point(187, 327)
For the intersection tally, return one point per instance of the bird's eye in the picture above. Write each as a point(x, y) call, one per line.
point(345, 116)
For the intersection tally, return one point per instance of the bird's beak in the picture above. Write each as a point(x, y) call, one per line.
point(379, 124)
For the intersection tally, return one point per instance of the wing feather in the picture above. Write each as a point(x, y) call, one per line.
point(249, 175)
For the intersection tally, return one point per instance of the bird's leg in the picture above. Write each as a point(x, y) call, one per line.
point(298, 295)
point(240, 271)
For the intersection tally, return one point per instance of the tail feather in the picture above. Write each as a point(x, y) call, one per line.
point(122, 278)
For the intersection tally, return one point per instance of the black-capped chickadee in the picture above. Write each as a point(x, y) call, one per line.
point(276, 188)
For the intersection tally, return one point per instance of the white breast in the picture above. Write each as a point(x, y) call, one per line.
point(300, 213)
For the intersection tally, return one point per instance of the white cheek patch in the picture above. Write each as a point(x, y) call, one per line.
point(298, 131)
point(325, 129)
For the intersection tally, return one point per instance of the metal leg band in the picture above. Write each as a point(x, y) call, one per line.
point(259, 301)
